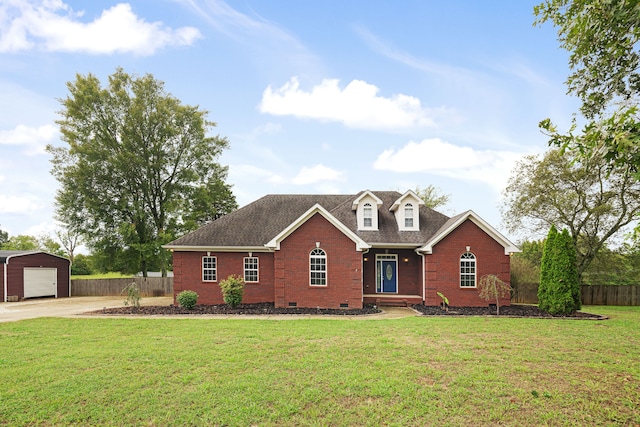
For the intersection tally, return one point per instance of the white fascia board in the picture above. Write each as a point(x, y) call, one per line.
point(176, 248)
point(356, 202)
point(395, 245)
point(508, 246)
point(34, 253)
point(317, 208)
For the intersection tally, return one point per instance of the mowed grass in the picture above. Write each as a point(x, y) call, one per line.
point(321, 372)
point(110, 275)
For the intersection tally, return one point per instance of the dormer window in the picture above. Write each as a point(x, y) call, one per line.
point(367, 215)
point(406, 209)
point(366, 206)
point(408, 215)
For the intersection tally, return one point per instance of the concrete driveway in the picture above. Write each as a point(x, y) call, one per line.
point(75, 306)
point(64, 307)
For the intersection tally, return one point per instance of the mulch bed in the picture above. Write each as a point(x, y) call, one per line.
point(253, 309)
point(268, 308)
point(516, 310)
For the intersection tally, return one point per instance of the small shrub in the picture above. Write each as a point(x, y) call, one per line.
point(133, 295)
point(187, 299)
point(232, 290)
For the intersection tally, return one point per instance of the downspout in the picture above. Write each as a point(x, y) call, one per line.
point(4, 273)
point(424, 276)
point(364, 252)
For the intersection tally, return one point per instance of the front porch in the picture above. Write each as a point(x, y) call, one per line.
point(395, 300)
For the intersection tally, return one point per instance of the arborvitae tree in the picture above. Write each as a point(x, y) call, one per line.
point(567, 271)
point(559, 291)
point(544, 289)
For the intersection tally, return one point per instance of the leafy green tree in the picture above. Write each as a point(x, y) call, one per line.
point(69, 240)
point(559, 290)
point(4, 237)
point(602, 37)
point(81, 265)
point(582, 195)
point(22, 242)
point(432, 196)
point(48, 244)
point(139, 168)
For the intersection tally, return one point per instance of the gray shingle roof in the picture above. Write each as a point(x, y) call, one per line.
point(257, 223)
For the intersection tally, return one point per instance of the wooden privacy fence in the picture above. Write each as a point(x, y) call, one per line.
point(591, 294)
point(149, 286)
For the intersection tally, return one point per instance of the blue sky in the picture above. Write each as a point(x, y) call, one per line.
point(315, 97)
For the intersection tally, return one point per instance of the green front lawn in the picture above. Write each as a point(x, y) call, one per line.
point(412, 371)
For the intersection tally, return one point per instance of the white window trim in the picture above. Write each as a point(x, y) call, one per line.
point(245, 269)
point(475, 270)
point(326, 273)
point(406, 207)
point(367, 208)
point(214, 269)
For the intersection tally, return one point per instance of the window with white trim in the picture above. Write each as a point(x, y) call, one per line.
point(408, 215)
point(251, 269)
point(467, 270)
point(367, 215)
point(318, 267)
point(209, 269)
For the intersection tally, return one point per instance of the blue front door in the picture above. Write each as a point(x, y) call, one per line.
point(389, 277)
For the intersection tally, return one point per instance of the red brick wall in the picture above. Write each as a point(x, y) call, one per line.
point(409, 278)
point(15, 272)
point(443, 266)
point(344, 268)
point(187, 270)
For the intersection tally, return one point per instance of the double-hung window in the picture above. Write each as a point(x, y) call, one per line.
point(251, 269)
point(318, 267)
point(408, 215)
point(468, 270)
point(367, 215)
point(209, 269)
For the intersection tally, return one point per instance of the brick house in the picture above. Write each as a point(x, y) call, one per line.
point(333, 251)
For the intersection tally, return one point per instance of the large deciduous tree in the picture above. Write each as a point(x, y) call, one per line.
point(603, 38)
point(139, 168)
point(582, 195)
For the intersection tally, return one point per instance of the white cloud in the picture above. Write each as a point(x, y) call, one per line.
point(18, 204)
point(357, 105)
point(34, 139)
point(317, 173)
point(51, 25)
point(442, 158)
point(238, 172)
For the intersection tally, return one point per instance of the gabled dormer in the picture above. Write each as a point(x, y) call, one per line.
point(407, 211)
point(366, 207)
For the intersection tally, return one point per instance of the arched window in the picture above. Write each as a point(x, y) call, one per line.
point(468, 270)
point(408, 215)
point(318, 267)
point(367, 215)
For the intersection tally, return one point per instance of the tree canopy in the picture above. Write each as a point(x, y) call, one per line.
point(581, 195)
point(602, 37)
point(432, 196)
point(139, 168)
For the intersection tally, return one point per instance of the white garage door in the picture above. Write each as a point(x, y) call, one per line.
point(40, 282)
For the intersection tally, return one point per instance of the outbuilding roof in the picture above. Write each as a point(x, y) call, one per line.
point(6, 254)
